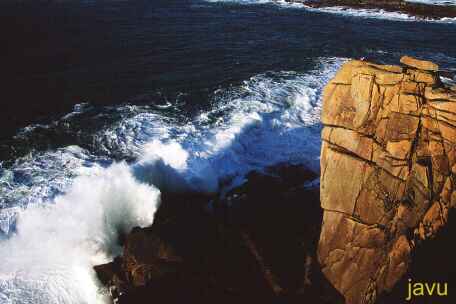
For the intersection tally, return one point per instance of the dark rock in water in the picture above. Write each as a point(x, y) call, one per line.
point(411, 8)
point(147, 257)
point(107, 272)
point(257, 244)
point(112, 276)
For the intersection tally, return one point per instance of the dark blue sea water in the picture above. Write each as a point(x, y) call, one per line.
point(60, 53)
point(107, 103)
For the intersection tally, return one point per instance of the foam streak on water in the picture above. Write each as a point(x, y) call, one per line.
point(271, 118)
point(434, 2)
point(61, 211)
point(360, 13)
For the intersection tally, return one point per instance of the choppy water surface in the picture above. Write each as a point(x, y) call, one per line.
point(128, 100)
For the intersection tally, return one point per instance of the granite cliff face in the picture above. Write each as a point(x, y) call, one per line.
point(388, 172)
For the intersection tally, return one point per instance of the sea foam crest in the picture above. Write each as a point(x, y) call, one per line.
point(50, 255)
point(62, 211)
point(270, 118)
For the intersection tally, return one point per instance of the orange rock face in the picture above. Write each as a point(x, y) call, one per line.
point(388, 165)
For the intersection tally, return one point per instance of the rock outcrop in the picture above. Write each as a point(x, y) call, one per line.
point(388, 172)
point(257, 244)
point(412, 8)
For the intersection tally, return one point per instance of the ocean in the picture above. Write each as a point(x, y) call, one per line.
point(106, 104)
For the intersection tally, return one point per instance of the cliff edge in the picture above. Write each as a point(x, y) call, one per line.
point(388, 172)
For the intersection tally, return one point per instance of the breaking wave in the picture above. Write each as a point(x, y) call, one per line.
point(49, 256)
point(61, 211)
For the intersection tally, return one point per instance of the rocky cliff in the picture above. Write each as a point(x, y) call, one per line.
point(388, 172)
point(388, 168)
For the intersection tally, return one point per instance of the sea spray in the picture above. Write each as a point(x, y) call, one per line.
point(49, 258)
point(165, 165)
point(62, 210)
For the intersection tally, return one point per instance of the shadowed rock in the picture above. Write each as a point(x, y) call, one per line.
point(256, 244)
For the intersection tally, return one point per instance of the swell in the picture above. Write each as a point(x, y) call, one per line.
point(63, 210)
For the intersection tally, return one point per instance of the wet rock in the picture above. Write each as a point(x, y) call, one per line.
point(255, 244)
point(147, 257)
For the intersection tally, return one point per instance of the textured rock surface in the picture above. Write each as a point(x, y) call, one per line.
point(388, 168)
point(259, 249)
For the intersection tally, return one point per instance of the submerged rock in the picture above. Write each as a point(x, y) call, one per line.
point(388, 165)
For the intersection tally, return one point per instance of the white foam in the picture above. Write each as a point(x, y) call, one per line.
point(62, 210)
point(49, 256)
point(166, 166)
point(130, 135)
point(269, 119)
point(379, 14)
point(435, 2)
point(346, 11)
point(365, 13)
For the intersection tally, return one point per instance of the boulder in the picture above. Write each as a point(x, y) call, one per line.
point(419, 64)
